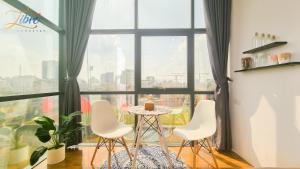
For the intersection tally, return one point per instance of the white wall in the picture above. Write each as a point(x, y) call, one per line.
point(265, 104)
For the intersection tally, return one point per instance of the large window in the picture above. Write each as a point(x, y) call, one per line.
point(29, 76)
point(141, 49)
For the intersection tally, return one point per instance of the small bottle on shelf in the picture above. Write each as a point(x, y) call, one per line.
point(255, 40)
point(273, 38)
point(255, 60)
point(263, 39)
point(268, 39)
point(258, 40)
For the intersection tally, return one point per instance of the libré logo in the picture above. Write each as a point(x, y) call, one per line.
point(21, 20)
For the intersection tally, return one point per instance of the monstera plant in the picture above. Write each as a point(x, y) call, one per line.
point(56, 136)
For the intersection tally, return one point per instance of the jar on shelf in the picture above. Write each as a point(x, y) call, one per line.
point(263, 39)
point(255, 40)
point(255, 60)
point(259, 40)
point(268, 39)
point(273, 59)
point(273, 38)
point(247, 62)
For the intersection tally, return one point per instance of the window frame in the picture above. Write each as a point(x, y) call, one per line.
point(138, 33)
point(58, 28)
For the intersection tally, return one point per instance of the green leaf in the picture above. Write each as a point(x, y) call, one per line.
point(45, 122)
point(74, 114)
point(71, 116)
point(35, 156)
point(43, 135)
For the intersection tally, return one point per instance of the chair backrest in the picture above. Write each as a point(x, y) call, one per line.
point(204, 116)
point(103, 119)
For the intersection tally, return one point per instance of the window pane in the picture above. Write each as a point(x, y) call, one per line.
point(114, 14)
point(47, 8)
point(199, 14)
point(164, 13)
point(120, 104)
point(164, 62)
point(27, 66)
point(199, 97)
point(108, 64)
point(180, 115)
point(17, 128)
point(204, 80)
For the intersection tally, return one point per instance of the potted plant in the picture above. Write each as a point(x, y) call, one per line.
point(48, 132)
point(19, 151)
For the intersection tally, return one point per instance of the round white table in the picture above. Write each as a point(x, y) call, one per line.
point(145, 117)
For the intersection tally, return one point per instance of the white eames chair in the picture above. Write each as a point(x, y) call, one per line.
point(199, 129)
point(105, 125)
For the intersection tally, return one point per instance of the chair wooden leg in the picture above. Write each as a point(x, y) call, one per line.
point(180, 149)
point(195, 152)
point(125, 145)
point(113, 143)
point(109, 153)
point(212, 153)
point(138, 140)
point(97, 146)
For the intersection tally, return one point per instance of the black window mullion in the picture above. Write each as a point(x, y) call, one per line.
point(138, 62)
point(136, 14)
point(27, 96)
point(191, 83)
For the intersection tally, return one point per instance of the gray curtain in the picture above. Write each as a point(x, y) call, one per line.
point(78, 21)
point(217, 19)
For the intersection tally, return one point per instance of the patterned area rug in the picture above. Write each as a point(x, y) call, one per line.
point(148, 158)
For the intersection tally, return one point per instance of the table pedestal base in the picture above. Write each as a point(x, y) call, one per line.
point(155, 125)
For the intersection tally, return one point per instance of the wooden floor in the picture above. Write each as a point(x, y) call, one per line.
point(77, 159)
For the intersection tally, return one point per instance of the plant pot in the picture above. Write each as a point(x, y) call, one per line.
point(4, 151)
point(284, 57)
point(55, 156)
point(18, 155)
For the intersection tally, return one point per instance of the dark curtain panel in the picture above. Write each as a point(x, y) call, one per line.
point(217, 19)
point(78, 21)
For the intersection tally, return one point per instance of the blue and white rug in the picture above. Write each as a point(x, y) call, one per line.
point(148, 158)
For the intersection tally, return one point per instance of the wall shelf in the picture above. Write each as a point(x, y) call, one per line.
point(269, 66)
point(265, 47)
